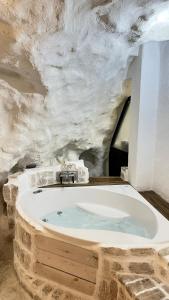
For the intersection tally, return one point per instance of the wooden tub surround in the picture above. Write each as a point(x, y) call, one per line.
point(50, 267)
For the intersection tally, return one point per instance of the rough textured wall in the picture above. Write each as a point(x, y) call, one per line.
point(62, 65)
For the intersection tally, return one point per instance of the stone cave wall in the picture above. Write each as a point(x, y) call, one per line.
point(62, 67)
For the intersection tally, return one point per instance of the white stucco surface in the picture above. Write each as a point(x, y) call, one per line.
point(161, 157)
point(149, 127)
point(145, 76)
point(62, 66)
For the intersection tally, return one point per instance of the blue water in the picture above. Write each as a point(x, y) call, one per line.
point(76, 217)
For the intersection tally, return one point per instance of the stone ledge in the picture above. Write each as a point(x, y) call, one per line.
point(144, 288)
point(24, 257)
point(23, 235)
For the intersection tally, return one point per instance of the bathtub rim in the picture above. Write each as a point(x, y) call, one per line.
point(39, 225)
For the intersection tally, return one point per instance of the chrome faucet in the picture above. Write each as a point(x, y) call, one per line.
point(67, 176)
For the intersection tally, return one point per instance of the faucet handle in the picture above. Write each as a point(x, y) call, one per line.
point(66, 176)
point(73, 178)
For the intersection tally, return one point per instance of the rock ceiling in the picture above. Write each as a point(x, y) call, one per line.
point(62, 68)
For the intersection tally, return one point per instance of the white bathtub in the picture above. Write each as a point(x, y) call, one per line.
point(121, 199)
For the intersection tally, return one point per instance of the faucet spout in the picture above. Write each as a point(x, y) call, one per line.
point(67, 176)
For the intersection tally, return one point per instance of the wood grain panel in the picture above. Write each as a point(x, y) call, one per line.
point(66, 265)
point(75, 253)
point(66, 279)
point(159, 203)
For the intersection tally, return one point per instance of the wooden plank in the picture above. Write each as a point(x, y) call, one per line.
point(65, 279)
point(93, 181)
point(159, 203)
point(74, 253)
point(108, 179)
point(66, 265)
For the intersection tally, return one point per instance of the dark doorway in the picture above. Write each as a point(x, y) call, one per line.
point(118, 155)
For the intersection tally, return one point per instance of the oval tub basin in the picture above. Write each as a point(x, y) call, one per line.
point(104, 214)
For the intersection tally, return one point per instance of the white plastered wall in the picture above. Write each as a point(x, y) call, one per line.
point(161, 157)
point(149, 127)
